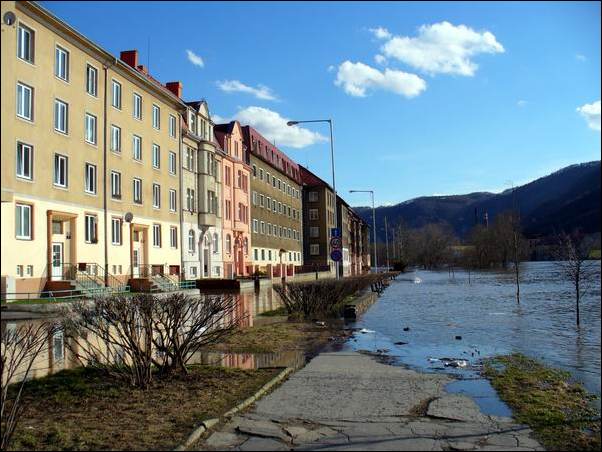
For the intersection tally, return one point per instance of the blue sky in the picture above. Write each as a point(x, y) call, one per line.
point(427, 98)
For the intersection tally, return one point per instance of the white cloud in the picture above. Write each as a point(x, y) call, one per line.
point(195, 59)
point(331, 68)
point(442, 48)
point(522, 103)
point(273, 126)
point(234, 86)
point(357, 78)
point(580, 57)
point(591, 113)
point(217, 119)
point(380, 59)
point(380, 33)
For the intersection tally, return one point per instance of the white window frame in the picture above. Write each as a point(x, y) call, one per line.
point(20, 40)
point(60, 106)
point(156, 156)
point(137, 150)
point(115, 138)
point(156, 196)
point(20, 168)
point(137, 190)
point(172, 126)
point(64, 171)
point(115, 177)
point(116, 225)
point(91, 119)
point(156, 117)
point(90, 228)
point(91, 82)
point(22, 106)
point(156, 236)
point(90, 183)
point(58, 49)
point(23, 211)
point(172, 162)
point(173, 203)
point(173, 237)
point(137, 109)
point(116, 94)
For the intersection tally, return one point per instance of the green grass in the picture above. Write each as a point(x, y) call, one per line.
point(281, 311)
point(595, 254)
point(558, 410)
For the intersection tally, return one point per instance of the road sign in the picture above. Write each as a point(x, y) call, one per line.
point(336, 243)
point(336, 255)
point(335, 232)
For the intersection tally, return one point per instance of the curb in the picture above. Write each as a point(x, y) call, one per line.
point(206, 425)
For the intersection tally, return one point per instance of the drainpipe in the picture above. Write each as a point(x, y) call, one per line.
point(105, 68)
point(181, 206)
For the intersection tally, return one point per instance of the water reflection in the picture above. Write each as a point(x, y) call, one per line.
point(58, 354)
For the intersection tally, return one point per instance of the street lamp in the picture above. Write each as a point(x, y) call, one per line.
point(373, 222)
point(334, 189)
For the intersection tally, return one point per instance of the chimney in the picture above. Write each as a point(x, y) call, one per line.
point(130, 57)
point(142, 68)
point(175, 87)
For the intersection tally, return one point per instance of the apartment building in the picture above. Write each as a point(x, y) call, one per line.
point(236, 199)
point(201, 194)
point(355, 241)
point(318, 220)
point(276, 219)
point(90, 148)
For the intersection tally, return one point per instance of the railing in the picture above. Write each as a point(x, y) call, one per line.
point(54, 295)
point(93, 275)
point(312, 268)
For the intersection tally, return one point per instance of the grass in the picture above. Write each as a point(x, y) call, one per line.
point(281, 311)
point(595, 254)
point(558, 410)
point(280, 336)
point(84, 409)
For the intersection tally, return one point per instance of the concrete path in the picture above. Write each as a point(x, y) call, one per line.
point(349, 401)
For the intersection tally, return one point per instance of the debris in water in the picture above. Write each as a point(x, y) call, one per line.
point(319, 323)
point(433, 360)
point(458, 338)
point(366, 331)
point(407, 328)
point(400, 343)
point(417, 280)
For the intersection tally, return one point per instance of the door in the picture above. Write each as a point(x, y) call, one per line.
point(57, 261)
point(136, 264)
point(205, 263)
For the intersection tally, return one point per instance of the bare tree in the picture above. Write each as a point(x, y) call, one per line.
point(21, 347)
point(572, 259)
point(182, 325)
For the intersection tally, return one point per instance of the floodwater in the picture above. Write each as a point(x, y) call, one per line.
point(441, 315)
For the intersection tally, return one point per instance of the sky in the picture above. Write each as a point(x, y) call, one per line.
point(426, 98)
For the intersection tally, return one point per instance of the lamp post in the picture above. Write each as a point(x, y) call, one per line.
point(334, 189)
point(373, 223)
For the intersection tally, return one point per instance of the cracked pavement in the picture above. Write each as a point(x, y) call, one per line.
point(349, 401)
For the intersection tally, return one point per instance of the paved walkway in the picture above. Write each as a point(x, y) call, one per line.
point(349, 401)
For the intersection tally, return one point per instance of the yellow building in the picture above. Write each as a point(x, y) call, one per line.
point(90, 150)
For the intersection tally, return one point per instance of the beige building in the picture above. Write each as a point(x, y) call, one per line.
point(276, 213)
point(90, 172)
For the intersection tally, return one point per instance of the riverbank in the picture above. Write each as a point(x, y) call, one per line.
point(558, 410)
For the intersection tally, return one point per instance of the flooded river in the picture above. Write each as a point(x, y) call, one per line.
point(433, 315)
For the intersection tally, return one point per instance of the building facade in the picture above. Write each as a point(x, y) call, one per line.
point(86, 144)
point(201, 195)
point(276, 216)
point(236, 172)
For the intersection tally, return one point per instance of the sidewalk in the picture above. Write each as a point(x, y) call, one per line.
point(349, 401)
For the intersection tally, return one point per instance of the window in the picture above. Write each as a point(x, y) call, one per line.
point(60, 170)
point(90, 176)
point(254, 198)
point(25, 101)
point(172, 126)
point(156, 196)
point(191, 241)
point(172, 200)
point(23, 221)
point(260, 174)
point(255, 223)
point(254, 170)
point(115, 185)
point(156, 117)
point(115, 138)
point(228, 243)
point(314, 232)
point(90, 128)
point(314, 249)
point(91, 80)
point(30, 270)
point(24, 161)
point(313, 196)
point(313, 214)
point(116, 97)
point(261, 200)
point(172, 162)
point(25, 43)
point(173, 237)
point(212, 202)
point(190, 199)
point(255, 254)
point(262, 227)
point(61, 116)
point(90, 224)
point(228, 212)
point(215, 243)
point(227, 175)
point(61, 63)
point(137, 106)
point(116, 231)
point(157, 235)
point(262, 255)
point(156, 156)
point(138, 191)
point(137, 147)
point(20, 271)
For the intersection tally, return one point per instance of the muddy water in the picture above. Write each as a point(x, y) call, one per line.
point(439, 315)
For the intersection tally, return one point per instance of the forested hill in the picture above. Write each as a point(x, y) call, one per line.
point(564, 200)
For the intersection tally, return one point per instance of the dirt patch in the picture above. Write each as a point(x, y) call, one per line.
point(83, 409)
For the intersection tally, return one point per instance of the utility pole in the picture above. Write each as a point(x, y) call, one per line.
point(387, 242)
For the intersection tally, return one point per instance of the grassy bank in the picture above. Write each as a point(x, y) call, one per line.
point(83, 409)
point(558, 410)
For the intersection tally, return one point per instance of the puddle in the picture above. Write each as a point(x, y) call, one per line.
point(481, 391)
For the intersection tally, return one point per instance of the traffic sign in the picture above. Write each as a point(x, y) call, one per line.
point(335, 232)
point(336, 255)
point(336, 243)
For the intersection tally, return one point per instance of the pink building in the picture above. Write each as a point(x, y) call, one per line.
point(236, 199)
